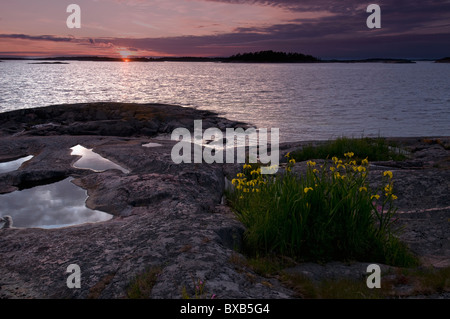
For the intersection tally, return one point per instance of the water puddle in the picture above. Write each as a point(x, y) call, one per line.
point(151, 145)
point(93, 161)
point(54, 205)
point(13, 165)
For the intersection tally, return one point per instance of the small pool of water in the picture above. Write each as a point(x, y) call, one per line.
point(93, 161)
point(13, 165)
point(54, 205)
point(151, 145)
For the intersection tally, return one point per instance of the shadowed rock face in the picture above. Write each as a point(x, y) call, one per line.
point(107, 119)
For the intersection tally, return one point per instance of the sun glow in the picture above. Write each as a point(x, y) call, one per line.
point(125, 54)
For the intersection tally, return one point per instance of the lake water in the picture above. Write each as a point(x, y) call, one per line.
point(305, 101)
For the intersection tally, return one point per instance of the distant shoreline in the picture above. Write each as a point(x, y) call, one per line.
point(267, 56)
point(259, 57)
point(196, 59)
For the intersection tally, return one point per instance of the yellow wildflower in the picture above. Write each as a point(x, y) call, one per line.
point(388, 189)
point(292, 161)
point(307, 189)
point(349, 154)
point(311, 163)
point(240, 175)
point(394, 197)
point(254, 172)
point(377, 197)
point(361, 169)
point(315, 171)
point(365, 161)
point(288, 155)
point(247, 166)
point(388, 173)
point(335, 159)
point(234, 181)
point(363, 188)
point(332, 168)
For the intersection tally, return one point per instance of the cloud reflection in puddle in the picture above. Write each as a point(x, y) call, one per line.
point(93, 161)
point(50, 206)
point(151, 145)
point(13, 165)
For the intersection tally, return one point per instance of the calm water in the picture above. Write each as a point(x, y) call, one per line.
point(306, 101)
point(93, 161)
point(10, 166)
point(50, 206)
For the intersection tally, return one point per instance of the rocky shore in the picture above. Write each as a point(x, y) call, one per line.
point(169, 216)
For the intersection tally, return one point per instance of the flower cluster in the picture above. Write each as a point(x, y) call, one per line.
point(250, 181)
point(291, 162)
point(329, 212)
point(347, 172)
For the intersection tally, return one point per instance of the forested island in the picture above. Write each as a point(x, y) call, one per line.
point(443, 60)
point(272, 57)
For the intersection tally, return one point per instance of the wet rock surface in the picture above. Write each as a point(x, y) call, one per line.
point(170, 216)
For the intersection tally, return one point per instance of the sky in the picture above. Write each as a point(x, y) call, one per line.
point(219, 28)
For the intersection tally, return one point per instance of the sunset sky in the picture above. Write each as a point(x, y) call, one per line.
point(323, 28)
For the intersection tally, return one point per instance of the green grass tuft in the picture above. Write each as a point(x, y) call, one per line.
point(142, 285)
point(375, 149)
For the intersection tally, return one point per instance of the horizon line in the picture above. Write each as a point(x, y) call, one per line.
point(130, 58)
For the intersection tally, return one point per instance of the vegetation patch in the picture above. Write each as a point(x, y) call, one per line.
point(404, 283)
point(197, 291)
point(141, 286)
point(374, 149)
point(328, 214)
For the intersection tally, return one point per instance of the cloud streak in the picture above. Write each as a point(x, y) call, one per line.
point(37, 38)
